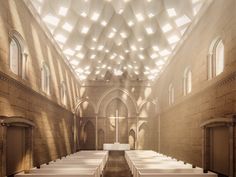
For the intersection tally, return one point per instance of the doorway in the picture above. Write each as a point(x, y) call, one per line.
point(15, 150)
point(16, 137)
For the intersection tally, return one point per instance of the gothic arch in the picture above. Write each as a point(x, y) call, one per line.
point(145, 102)
point(87, 136)
point(104, 112)
point(132, 139)
point(113, 90)
point(82, 101)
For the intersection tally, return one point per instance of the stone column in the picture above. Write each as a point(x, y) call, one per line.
point(136, 142)
point(96, 129)
point(75, 133)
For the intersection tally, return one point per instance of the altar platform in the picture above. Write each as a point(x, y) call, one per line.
point(116, 147)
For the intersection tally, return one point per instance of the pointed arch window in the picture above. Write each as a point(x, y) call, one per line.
point(18, 55)
point(45, 78)
point(216, 58)
point(187, 81)
point(171, 94)
point(63, 92)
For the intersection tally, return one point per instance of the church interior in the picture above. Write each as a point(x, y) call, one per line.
point(118, 88)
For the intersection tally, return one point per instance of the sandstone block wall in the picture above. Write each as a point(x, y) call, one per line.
point(181, 135)
point(53, 135)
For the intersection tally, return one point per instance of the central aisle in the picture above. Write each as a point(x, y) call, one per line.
point(116, 165)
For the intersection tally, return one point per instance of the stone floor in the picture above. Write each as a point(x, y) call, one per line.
point(116, 165)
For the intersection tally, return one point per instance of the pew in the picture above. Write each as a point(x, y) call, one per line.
point(80, 164)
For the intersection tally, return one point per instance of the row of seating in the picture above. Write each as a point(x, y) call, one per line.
point(80, 164)
point(147, 163)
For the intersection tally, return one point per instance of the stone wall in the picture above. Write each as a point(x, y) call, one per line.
point(181, 135)
point(53, 134)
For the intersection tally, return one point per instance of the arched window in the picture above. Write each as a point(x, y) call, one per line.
point(45, 78)
point(171, 94)
point(18, 55)
point(63, 92)
point(187, 81)
point(216, 58)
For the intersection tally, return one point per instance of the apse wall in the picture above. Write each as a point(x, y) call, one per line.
point(136, 107)
point(24, 98)
point(180, 122)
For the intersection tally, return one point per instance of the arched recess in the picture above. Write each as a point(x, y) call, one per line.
point(87, 136)
point(15, 132)
point(143, 136)
point(84, 110)
point(132, 139)
point(116, 91)
point(116, 107)
point(101, 139)
point(147, 109)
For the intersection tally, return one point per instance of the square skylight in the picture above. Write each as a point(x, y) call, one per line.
point(85, 30)
point(74, 62)
point(60, 38)
point(166, 28)
point(63, 11)
point(171, 12)
point(50, 19)
point(139, 17)
point(160, 62)
point(149, 30)
point(173, 39)
point(69, 52)
point(95, 16)
point(104, 23)
point(84, 14)
point(164, 52)
point(78, 47)
point(80, 55)
point(183, 20)
point(68, 27)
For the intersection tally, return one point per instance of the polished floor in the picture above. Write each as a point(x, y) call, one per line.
point(117, 165)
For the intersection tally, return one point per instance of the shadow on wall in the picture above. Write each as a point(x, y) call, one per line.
point(101, 139)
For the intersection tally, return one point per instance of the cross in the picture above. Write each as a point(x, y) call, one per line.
point(117, 124)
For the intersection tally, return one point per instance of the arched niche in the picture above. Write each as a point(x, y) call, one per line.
point(16, 131)
point(85, 108)
point(143, 136)
point(87, 136)
point(116, 104)
point(132, 139)
point(148, 109)
point(122, 94)
point(218, 141)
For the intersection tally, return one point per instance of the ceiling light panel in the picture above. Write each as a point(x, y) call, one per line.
point(118, 34)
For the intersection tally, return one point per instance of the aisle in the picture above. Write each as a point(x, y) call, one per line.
point(116, 165)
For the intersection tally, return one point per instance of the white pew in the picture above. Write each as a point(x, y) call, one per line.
point(22, 174)
point(80, 164)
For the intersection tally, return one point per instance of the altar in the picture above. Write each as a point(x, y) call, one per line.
point(116, 147)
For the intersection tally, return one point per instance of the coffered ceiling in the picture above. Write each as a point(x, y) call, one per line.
point(132, 38)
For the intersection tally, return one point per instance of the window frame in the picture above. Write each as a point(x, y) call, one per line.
point(187, 81)
point(45, 78)
point(22, 58)
point(213, 58)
